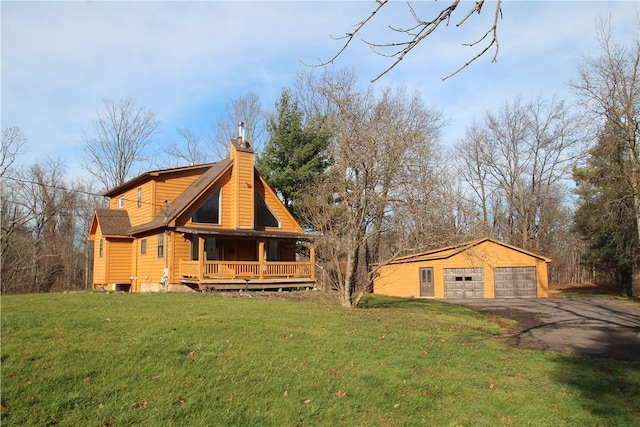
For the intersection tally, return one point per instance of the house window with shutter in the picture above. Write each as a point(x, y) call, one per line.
point(121, 202)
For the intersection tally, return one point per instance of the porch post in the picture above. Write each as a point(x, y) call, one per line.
point(312, 259)
point(261, 258)
point(200, 257)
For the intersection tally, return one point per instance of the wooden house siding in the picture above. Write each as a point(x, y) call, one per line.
point(119, 270)
point(402, 277)
point(100, 262)
point(227, 197)
point(149, 267)
point(244, 187)
point(169, 189)
point(180, 251)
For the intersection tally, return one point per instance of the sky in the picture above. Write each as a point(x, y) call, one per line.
point(186, 60)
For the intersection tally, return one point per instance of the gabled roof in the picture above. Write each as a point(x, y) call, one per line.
point(449, 251)
point(113, 222)
point(152, 174)
point(186, 198)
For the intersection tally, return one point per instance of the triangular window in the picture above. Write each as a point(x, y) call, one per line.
point(263, 215)
point(209, 212)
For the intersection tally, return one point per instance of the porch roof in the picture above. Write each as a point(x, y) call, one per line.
point(247, 233)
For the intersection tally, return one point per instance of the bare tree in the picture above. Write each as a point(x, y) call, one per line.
point(189, 150)
point(609, 90)
point(420, 29)
point(12, 145)
point(122, 131)
point(248, 110)
point(374, 138)
point(515, 166)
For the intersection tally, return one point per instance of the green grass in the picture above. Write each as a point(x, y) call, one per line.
point(97, 359)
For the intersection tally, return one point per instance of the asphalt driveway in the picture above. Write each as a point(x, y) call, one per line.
point(592, 326)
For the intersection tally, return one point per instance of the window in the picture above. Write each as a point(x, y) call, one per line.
point(209, 212)
point(263, 215)
point(161, 245)
point(273, 250)
point(139, 200)
point(101, 248)
point(143, 246)
point(121, 202)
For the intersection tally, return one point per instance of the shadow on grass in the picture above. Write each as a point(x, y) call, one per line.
point(371, 301)
point(608, 388)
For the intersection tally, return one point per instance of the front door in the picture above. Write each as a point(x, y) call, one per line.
point(426, 282)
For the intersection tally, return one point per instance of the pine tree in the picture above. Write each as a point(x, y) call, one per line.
point(293, 157)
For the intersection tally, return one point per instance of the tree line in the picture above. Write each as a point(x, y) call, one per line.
point(365, 168)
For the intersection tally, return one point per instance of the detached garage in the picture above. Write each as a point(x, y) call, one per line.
point(484, 268)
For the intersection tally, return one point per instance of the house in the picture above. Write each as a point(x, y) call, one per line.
point(484, 268)
point(212, 226)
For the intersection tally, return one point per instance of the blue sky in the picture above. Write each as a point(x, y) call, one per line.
point(187, 60)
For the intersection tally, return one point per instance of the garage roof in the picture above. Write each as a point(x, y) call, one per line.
point(449, 251)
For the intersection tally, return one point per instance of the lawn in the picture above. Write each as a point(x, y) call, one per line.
point(114, 359)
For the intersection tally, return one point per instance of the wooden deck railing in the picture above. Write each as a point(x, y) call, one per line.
point(244, 269)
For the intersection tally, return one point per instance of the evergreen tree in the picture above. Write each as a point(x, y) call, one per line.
point(605, 216)
point(293, 157)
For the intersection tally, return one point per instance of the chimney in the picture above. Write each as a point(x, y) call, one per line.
point(242, 176)
point(241, 139)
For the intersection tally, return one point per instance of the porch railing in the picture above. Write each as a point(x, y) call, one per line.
point(244, 269)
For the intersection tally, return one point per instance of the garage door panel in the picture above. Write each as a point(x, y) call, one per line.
point(515, 282)
point(464, 282)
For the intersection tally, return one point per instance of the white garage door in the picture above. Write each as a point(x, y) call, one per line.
point(463, 283)
point(515, 282)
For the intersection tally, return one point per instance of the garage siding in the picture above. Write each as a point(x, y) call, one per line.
point(515, 282)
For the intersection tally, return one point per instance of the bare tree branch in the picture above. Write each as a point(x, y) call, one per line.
point(420, 31)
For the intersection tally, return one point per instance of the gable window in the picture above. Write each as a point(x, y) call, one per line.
point(161, 245)
point(101, 248)
point(143, 246)
point(209, 212)
point(121, 202)
point(263, 215)
point(139, 200)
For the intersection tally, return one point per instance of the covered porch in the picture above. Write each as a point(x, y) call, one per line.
point(250, 260)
